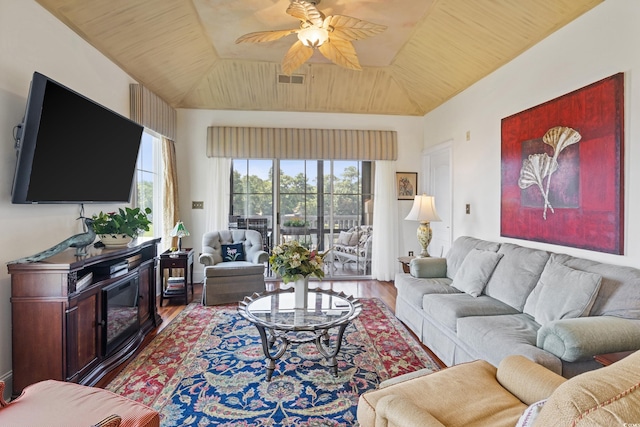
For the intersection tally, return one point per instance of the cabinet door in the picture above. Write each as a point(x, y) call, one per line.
point(83, 329)
point(37, 341)
point(146, 272)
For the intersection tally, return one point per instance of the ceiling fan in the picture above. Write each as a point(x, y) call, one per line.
point(331, 35)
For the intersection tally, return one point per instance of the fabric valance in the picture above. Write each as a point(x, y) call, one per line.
point(152, 112)
point(290, 143)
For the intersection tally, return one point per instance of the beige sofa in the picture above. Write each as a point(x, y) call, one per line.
point(518, 392)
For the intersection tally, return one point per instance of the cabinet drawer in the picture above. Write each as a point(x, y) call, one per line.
point(174, 263)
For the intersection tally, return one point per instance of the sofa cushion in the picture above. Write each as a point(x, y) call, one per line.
point(475, 270)
point(447, 309)
point(562, 293)
point(516, 274)
point(413, 289)
point(619, 293)
point(251, 240)
point(233, 252)
point(354, 238)
point(608, 396)
point(528, 418)
point(344, 238)
point(234, 268)
point(461, 247)
point(492, 338)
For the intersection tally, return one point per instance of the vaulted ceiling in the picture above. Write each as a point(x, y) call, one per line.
point(185, 50)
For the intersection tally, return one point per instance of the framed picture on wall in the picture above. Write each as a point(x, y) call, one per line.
point(406, 185)
point(563, 170)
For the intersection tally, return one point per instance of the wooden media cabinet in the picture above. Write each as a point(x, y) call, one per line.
point(76, 318)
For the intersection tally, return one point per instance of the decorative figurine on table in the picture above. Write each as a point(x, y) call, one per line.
point(78, 241)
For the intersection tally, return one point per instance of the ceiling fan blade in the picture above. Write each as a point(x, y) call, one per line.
point(348, 28)
point(295, 57)
point(306, 11)
point(265, 36)
point(340, 52)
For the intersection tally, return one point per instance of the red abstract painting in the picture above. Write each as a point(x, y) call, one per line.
point(562, 170)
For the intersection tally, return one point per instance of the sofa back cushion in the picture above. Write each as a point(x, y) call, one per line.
point(562, 293)
point(516, 274)
point(461, 247)
point(619, 293)
point(475, 270)
point(212, 242)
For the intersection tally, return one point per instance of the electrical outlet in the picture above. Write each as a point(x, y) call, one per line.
point(410, 253)
point(468, 210)
point(197, 205)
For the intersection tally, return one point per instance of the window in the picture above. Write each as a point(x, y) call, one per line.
point(148, 191)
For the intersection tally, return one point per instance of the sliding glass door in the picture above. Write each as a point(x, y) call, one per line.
point(252, 197)
point(310, 201)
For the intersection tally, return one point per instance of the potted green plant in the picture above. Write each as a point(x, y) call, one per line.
point(119, 228)
point(294, 226)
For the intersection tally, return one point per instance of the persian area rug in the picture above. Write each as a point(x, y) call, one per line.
point(207, 368)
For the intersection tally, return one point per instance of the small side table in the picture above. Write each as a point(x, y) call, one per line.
point(172, 288)
point(607, 359)
point(405, 261)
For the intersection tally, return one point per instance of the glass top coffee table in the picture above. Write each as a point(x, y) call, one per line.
point(280, 324)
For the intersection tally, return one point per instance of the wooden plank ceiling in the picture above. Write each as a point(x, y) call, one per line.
point(184, 50)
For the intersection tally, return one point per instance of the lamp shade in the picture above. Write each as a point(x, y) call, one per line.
point(424, 209)
point(313, 36)
point(179, 230)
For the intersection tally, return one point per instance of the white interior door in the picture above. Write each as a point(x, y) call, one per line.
point(438, 175)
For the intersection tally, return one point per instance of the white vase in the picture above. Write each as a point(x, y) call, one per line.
point(301, 291)
point(115, 240)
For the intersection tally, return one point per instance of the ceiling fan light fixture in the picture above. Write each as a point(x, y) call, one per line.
point(330, 35)
point(313, 36)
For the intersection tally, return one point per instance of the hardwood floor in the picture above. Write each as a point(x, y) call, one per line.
point(385, 291)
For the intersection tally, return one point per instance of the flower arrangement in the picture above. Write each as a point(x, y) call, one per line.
point(292, 261)
point(127, 221)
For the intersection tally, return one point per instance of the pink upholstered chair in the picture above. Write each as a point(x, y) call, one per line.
point(61, 404)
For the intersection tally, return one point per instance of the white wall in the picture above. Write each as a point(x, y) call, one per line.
point(192, 161)
point(31, 40)
point(600, 43)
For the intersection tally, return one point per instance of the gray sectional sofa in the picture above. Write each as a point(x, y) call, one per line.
point(487, 300)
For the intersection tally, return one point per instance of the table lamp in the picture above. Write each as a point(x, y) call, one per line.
point(423, 210)
point(179, 231)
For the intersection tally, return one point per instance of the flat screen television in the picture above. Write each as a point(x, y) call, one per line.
point(73, 150)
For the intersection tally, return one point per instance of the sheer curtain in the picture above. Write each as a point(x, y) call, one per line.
point(170, 211)
point(385, 222)
point(217, 196)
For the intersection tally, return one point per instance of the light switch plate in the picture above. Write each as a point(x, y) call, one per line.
point(197, 205)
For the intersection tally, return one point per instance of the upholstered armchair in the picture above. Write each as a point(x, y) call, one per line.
point(234, 263)
point(518, 392)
